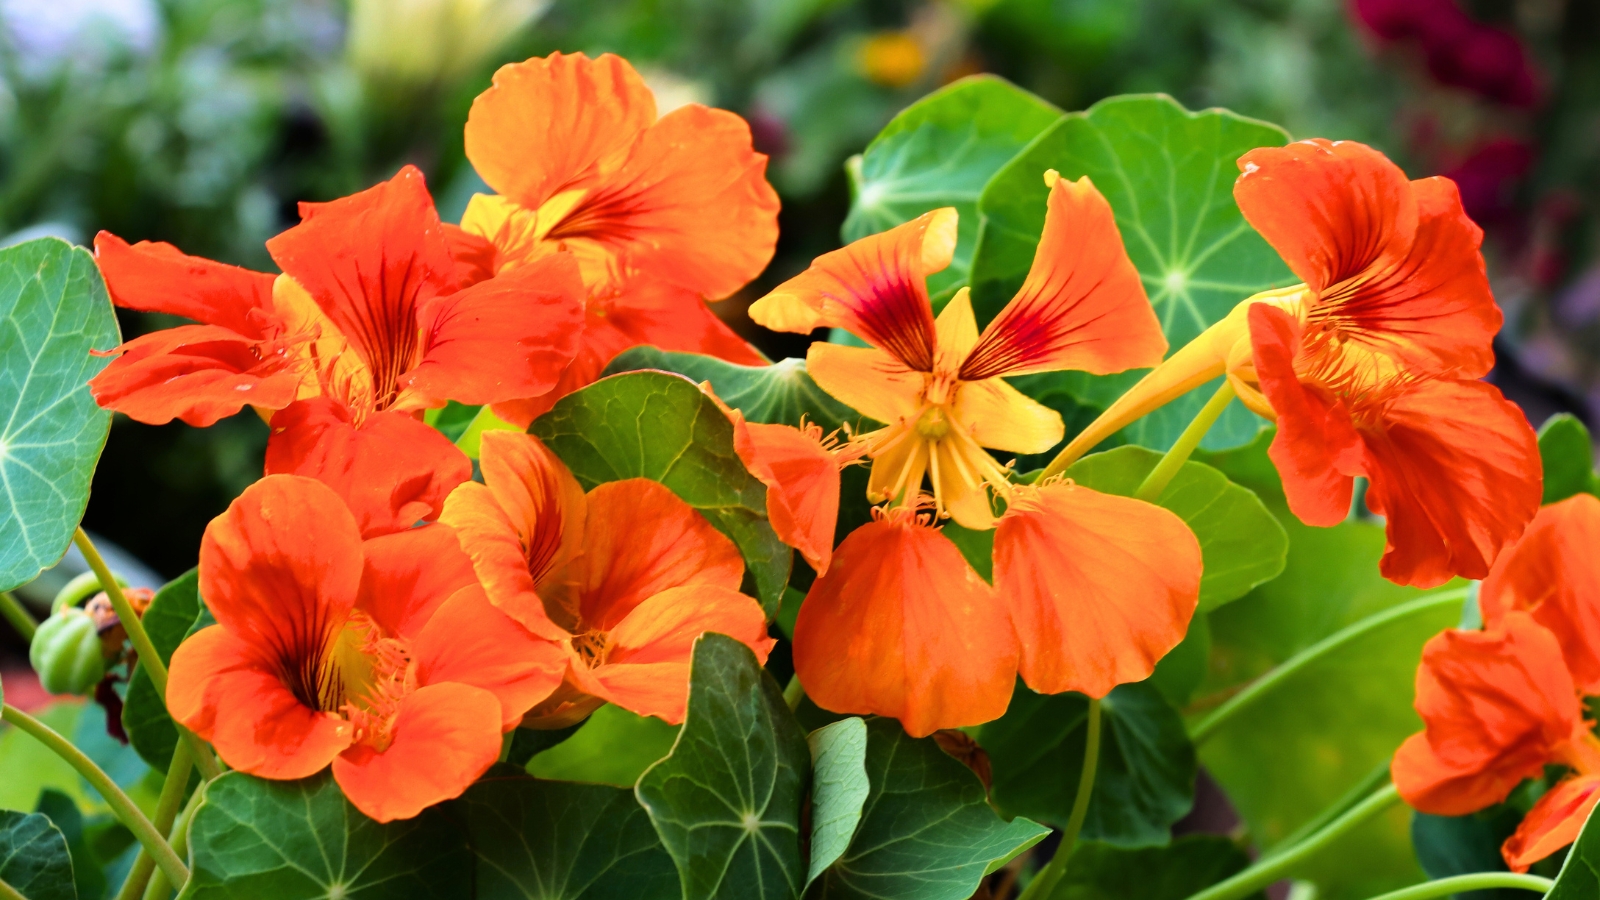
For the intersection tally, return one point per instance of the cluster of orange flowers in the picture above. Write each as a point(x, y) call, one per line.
point(382, 612)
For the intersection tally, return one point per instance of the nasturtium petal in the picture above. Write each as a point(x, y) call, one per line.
point(54, 313)
point(839, 789)
point(552, 840)
point(778, 394)
point(727, 801)
point(661, 426)
point(1145, 780)
point(1168, 174)
point(941, 151)
point(170, 617)
point(301, 840)
point(33, 857)
point(927, 833)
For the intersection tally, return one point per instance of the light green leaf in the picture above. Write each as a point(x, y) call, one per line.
point(452, 419)
point(53, 312)
point(1184, 867)
point(927, 832)
point(34, 858)
point(727, 801)
point(1145, 781)
point(613, 747)
point(777, 394)
point(1241, 542)
point(1580, 875)
point(299, 840)
point(660, 426)
point(839, 789)
point(550, 840)
point(171, 615)
point(30, 768)
point(940, 151)
point(1568, 457)
point(1168, 174)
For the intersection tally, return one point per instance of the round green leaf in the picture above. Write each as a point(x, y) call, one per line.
point(727, 801)
point(549, 840)
point(614, 747)
point(170, 617)
point(288, 840)
point(1241, 542)
point(1568, 457)
point(941, 151)
point(779, 394)
point(1168, 174)
point(1145, 779)
point(34, 857)
point(54, 312)
point(661, 426)
point(839, 789)
point(927, 832)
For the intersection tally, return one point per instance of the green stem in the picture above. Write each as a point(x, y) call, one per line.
point(130, 815)
point(166, 810)
point(1378, 777)
point(1273, 868)
point(1265, 684)
point(1045, 883)
point(153, 665)
point(1455, 884)
point(793, 693)
point(7, 892)
point(159, 887)
point(18, 615)
point(1158, 479)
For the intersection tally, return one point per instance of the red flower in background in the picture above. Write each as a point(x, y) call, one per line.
point(1460, 51)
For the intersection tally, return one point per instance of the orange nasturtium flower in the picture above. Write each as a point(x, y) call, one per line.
point(1090, 590)
point(623, 578)
point(1371, 366)
point(1501, 704)
point(372, 320)
point(662, 214)
point(382, 657)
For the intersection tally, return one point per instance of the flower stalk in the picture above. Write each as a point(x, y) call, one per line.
point(18, 615)
point(1044, 885)
point(167, 806)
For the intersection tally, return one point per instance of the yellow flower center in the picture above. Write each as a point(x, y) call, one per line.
point(933, 424)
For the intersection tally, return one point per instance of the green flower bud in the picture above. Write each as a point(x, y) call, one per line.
point(66, 653)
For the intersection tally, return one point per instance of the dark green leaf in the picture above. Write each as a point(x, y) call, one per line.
point(976, 545)
point(727, 801)
point(1568, 457)
point(941, 151)
point(660, 426)
point(1179, 674)
point(86, 866)
point(34, 857)
point(144, 716)
point(613, 747)
point(839, 789)
point(551, 840)
point(526, 743)
point(1461, 845)
point(1186, 866)
point(1580, 875)
point(252, 838)
point(778, 394)
point(1145, 779)
point(1241, 541)
point(927, 832)
point(53, 312)
point(1168, 174)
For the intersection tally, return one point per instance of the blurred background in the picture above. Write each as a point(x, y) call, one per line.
point(203, 122)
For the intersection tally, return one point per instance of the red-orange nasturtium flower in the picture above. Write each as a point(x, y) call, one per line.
point(662, 214)
point(623, 578)
point(1501, 704)
point(372, 320)
point(1370, 367)
point(382, 657)
point(1090, 590)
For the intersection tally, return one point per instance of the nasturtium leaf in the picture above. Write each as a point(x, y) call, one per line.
point(661, 426)
point(941, 151)
point(1184, 867)
point(30, 768)
point(927, 831)
point(1145, 779)
point(1168, 174)
point(552, 840)
point(54, 312)
point(452, 419)
point(523, 744)
point(1568, 457)
point(779, 394)
point(1240, 540)
point(1580, 874)
point(727, 801)
point(1462, 845)
point(172, 613)
point(839, 789)
point(289, 840)
point(34, 858)
point(1180, 673)
point(87, 872)
point(976, 545)
point(613, 747)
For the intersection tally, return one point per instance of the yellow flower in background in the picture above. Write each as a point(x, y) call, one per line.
point(893, 59)
point(422, 41)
